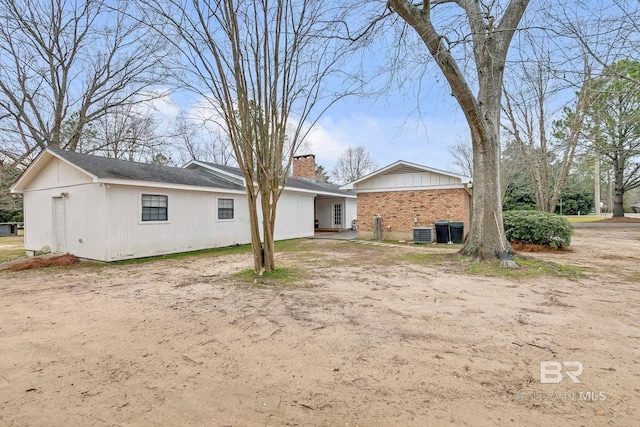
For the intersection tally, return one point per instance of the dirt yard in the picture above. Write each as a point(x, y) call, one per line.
point(361, 335)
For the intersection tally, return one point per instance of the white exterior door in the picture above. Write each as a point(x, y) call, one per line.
point(337, 215)
point(59, 228)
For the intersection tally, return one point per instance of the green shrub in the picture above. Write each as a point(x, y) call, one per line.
point(575, 202)
point(518, 197)
point(538, 228)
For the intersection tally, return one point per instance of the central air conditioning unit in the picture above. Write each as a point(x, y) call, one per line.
point(423, 235)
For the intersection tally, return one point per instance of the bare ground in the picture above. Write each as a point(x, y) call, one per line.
point(367, 336)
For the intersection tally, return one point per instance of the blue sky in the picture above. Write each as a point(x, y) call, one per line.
point(392, 129)
point(390, 126)
point(404, 123)
point(399, 123)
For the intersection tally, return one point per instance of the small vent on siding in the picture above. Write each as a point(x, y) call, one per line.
point(423, 235)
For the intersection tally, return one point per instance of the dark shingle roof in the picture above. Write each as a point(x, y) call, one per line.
point(299, 183)
point(106, 168)
point(307, 184)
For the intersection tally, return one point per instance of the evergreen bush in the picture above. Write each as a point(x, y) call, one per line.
point(538, 228)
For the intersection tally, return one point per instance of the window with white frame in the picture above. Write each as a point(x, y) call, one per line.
point(155, 207)
point(225, 208)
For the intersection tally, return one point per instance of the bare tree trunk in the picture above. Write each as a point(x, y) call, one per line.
point(66, 64)
point(490, 45)
point(485, 239)
point(254, 226)
point(596, 192)
point(268, 226)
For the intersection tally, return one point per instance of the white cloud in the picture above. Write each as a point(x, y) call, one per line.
point(387, 135)
point(388, 139)
point(161, 104)
point(325, 141)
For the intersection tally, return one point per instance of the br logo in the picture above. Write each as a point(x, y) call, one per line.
point(551, 371)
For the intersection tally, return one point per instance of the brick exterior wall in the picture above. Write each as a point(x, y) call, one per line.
point(399, 208)
point(304, 167)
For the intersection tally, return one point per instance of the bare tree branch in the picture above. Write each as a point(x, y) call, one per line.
point(354, 163)
point(60, 58)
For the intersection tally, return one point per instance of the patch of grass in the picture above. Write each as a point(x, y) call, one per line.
point(11, 254)
point(12, 240)
point(282, 276)
point(529, 267)
point(229, 250)
point(423, 258)
point(293, 245)
point(584, 218)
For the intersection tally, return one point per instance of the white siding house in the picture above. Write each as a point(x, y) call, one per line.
point(107, 209)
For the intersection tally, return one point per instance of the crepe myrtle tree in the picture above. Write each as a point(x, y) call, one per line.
point(490, 36)
point(547, 146)
point(267, 69)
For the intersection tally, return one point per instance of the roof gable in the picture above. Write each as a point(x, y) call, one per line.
point(403, 174)
point(45, 171)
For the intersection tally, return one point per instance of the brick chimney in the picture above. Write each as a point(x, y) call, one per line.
point(305, 166)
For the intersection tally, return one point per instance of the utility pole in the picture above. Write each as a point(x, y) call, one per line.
point(596, 187)
point(610, 190)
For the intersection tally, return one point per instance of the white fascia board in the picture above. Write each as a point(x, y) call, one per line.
point(169, 186)
point(348, 186)
point(35, 167)
point(430, 187)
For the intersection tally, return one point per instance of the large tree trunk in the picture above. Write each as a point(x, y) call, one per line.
point(482, 112)
point(486, 240)
point(268, 230)
point(618, 193)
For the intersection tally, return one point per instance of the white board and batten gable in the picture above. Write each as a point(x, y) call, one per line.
point(403, 175)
